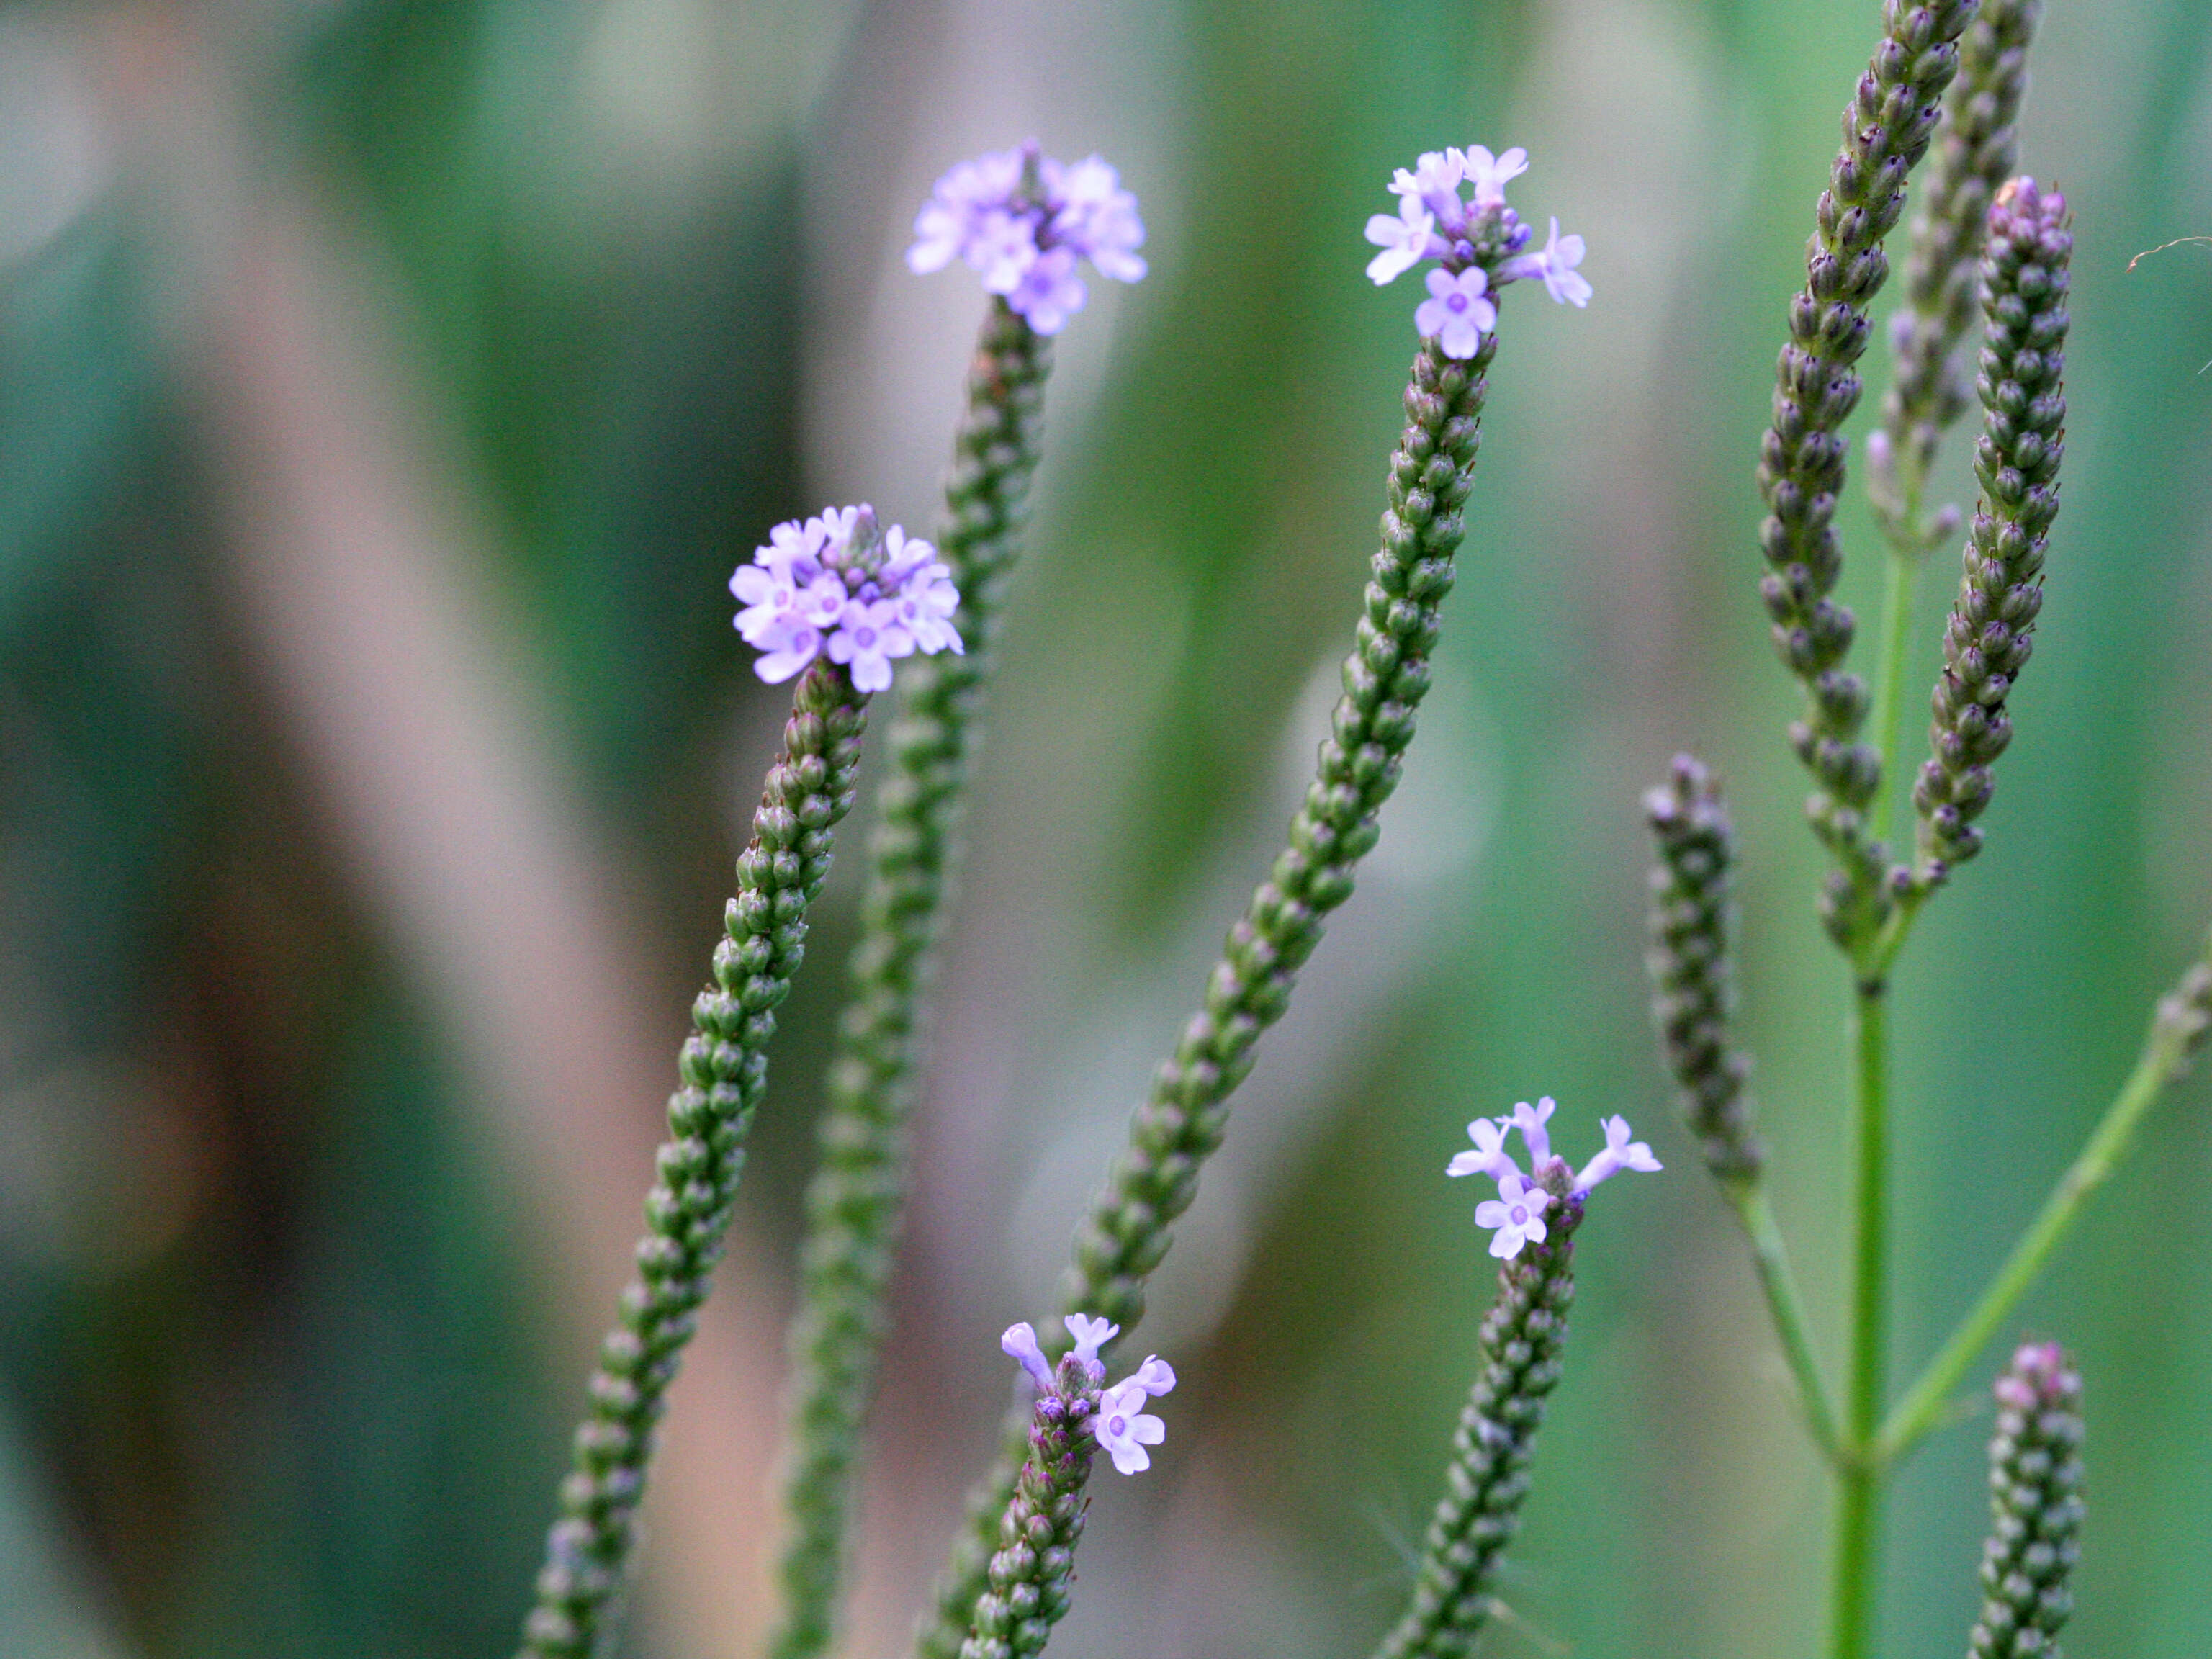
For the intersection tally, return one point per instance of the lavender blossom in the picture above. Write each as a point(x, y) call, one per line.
point(1121, 1424)
point(1455, 314)
point(1517, 1213)
point(836, 586)
point(1021, 220)
point(1489, 1156)
point(1530, 1121)
point(1020, 1343)
point(1621, 1153)
point(1091, 1336)
point(1475, 239)
point(1554, 265)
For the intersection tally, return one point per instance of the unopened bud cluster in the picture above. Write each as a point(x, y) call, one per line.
point(2035, 1507)
point(1974, 153)
point(1887, 129)
point(1691, 988)
point(1988, 639)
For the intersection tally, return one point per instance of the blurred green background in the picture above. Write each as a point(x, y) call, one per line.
point(386, 388)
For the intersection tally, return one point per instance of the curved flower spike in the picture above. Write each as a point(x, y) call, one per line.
point(1517, 1214)
point(1621, 1153)
point(1489, 1156)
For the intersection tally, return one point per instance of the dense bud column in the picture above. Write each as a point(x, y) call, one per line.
point(1989, 636)
point(1887, 129)
point(1385, 677)
point(1690, 974)
point(725, 1070)
point(1033, 1567)
point(857, 1200)
point(2035, 1508)
point(1974, 153)
point(1488, 1476)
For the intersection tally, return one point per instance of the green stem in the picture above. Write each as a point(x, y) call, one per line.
point(1771, 1259)
point(2163, 1056)
point(1902, 578)
point(1858, 1518)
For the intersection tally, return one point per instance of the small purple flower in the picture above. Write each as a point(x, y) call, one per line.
point(1554, 264)
point(1489, 1156)
point(1517, 1214)
point(1020, 1343)
point(1621, 1153)
point(1530, 1121)
point(1049, 292)
point(1404, 240)
point(1022, 220)
point(1121, 1425)
point(1457, 314)
point(1091, 1336)
point(1489, 173)
point(834, 585)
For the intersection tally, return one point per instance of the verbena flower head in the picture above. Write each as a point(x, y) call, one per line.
point(840, 586)
point(1121, 1423)
point(1021, 220)
point(1517, 1213)
point(1476, 239)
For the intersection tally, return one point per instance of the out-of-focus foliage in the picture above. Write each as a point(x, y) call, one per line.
point(283, 1368)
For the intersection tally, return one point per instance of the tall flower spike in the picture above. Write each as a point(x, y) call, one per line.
point(1974, 153)
point(1155, 1179)
point(1887, 130)
point(1518, 1368)
point(1989, 636)
point(1022, 221)
point(1473, 238)
point(856, 1201)
point(1692, 989)
point(2035, 1508)
point(725, 1070)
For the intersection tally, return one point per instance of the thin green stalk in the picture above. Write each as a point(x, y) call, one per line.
point(1771, 1259)
point(1900, 581)
point(856, 1203)
point(2178, 1028)
point(724, 1068)
point(1858, 1518)
point(1154, 1180)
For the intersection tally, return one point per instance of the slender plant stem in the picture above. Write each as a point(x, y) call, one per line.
point(1770, 1256)
point(1901, 579)
point(1858, 1518)
point(1923, 1404)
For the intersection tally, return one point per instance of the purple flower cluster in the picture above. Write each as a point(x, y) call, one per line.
point(1022, 220)
point(1121, 1424)
point(1477, 239)
point(839, 584)
point(1517, 1214)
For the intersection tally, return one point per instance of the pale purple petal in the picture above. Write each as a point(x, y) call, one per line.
point(1020, 1342)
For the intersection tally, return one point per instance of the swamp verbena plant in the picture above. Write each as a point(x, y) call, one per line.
point(836, 601)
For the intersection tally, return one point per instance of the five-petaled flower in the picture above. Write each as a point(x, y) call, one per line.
point(1553, 265)
point(1021, 220)
point(839, 585)
point(1457, 314)
point(1121, 1423)
point(1091, 1334)
point(1517, 1213)
point(1621, 1153)
point(1489, 1156)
